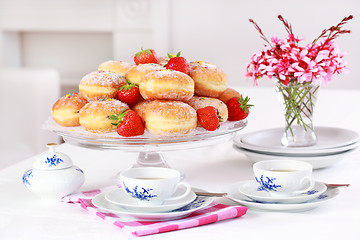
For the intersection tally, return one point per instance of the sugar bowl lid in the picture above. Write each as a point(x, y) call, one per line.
point(52, 160)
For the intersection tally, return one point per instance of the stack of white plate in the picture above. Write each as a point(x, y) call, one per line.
point(247, 194)
point(332, 146)
point(117, 201)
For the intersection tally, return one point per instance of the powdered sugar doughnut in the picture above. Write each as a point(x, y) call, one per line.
point(118, 67)
point(210, 81)
point(100, 85)
point(229, 93)
point(201, 102)
point(65, 111)
point(168, 118)
point(140, 106)
point(94, 116)
point(135, 73)
point(166, 85)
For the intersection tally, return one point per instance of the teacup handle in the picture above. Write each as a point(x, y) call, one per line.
point(186, 193)
point(310, 180)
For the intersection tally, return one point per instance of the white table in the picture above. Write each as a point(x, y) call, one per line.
point(24, 216)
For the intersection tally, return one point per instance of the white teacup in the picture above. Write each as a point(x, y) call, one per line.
point(283, 177)
point(153, 185)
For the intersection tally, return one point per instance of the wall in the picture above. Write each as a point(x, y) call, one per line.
point(218, 31)
point(76, 36)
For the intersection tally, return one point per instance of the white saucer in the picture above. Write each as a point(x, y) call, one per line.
point(234, 194)
point(316, 161)
point(121, 198)
point(199, 203)
point(249, 189)
point(330, 140)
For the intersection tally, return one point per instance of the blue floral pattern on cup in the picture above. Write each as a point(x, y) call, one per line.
point(53, 161)
point(267, 184)
point(26, 177)
point(142, 194)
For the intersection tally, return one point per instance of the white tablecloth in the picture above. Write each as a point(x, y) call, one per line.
point(24, 216)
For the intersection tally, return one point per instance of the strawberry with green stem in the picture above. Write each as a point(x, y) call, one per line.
point(209, 118)
point(129, 93)
point(238, 108)
point(178, 63)
point(145, 56)
point(128, 123)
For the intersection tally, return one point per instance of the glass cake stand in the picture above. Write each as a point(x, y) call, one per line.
point(149, 146)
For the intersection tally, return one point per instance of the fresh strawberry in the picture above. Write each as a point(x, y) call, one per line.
point(208, 118)
point(238, 108)
point(145, 56)
point(128, 123)
point(129, 93)
point(178, 63)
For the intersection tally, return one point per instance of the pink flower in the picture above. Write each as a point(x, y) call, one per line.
point(288, 61)
point(305, 73)
point(292, 38)
point(277, 40)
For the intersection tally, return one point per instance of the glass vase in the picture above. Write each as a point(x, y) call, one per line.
point(298, 102)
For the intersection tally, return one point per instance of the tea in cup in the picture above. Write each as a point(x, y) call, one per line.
point(153, 185)
point(283, 177)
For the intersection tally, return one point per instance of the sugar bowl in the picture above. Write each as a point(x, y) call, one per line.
point(53, 175)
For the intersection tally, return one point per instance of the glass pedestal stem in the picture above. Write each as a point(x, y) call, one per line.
point(150, 159)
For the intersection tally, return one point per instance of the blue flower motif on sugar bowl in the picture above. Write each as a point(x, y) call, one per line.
point(53, 175)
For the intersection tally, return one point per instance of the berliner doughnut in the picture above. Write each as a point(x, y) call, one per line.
point(118, 67)
point(94, 116)
point(100, 85)
point(166, 85)
point(169, 118)
point(135, 73)
point(229, 93)
point(210, 81)
point(139, 107)
point(65, 111)
point(201, 102)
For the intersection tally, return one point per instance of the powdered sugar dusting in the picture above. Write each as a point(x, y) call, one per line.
point(167, 85)
point(71, 100)
point(203, 64)
point(172, 109)
point(165, 73)
point(113, 62)
point(102, 78)
point(105, 105)
point(148, 67)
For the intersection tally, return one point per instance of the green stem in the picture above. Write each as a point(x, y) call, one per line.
point(298, 104)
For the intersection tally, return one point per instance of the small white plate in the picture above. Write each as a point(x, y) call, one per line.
point(316, 161)
point(199, 203)
point(234, 194)
point(121, 198)
point(330, 140)
point(249, 189)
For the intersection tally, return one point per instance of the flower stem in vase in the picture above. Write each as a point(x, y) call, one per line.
point(298, 69)
point(298, 101)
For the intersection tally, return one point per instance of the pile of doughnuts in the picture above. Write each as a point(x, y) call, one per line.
point(168, 103)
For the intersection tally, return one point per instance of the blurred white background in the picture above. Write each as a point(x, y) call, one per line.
point(74, 37)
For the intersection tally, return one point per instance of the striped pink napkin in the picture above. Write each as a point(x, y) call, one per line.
point(212, 213)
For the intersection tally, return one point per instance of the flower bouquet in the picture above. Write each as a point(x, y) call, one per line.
point(298, 70)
